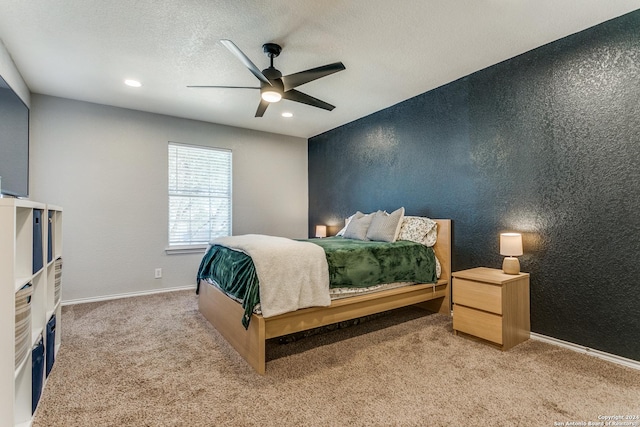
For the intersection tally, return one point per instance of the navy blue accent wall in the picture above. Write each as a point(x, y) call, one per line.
point(546, 144)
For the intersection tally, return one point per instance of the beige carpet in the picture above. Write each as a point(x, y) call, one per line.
point(155, 361)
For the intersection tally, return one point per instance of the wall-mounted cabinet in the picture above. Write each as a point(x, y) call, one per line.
point(30, 280)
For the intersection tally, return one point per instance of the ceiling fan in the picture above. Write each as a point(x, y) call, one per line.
point(273, 85)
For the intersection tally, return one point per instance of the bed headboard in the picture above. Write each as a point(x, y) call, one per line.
point(442, 247)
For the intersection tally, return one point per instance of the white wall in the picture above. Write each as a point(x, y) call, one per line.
point(107, 168)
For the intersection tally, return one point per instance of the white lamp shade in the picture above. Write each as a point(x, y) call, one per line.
point(271, 96)
point(511, 244)
point(321, 231)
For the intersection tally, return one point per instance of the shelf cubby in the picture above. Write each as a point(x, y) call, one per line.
point(25, 326)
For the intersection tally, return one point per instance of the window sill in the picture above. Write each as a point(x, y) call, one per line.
point(187, 249)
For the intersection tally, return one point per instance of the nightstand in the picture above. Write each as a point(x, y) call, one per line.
point(491, 305)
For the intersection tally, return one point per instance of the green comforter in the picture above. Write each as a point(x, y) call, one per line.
point(352, 263)
point(359, 264)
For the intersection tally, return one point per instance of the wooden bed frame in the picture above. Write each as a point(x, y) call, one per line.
point(225, 314)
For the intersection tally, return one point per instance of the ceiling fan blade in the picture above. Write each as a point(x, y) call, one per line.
point(245, 60)
point(297, 79)
point(294, 95)
point(262, 107)
point(226, 87)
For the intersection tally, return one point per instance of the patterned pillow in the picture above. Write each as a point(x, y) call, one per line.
point(419, 229)
point(385, 227)
point(357, 228)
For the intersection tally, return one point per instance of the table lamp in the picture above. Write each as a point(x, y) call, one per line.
point(321, 231)
point(511, 247)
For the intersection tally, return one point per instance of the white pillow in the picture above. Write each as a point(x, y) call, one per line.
point(385, 227)
point(355, 215)
point(419, 229)
point(357, 228)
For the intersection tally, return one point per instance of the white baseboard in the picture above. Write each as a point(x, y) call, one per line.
point(630, 363)
point(126, 295)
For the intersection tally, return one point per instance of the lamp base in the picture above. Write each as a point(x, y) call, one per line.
point(511, 265)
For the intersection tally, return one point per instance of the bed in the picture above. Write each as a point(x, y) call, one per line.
point(224, 313)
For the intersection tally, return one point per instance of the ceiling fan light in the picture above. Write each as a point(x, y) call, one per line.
point(271, 96)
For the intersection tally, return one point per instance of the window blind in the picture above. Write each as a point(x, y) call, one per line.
point(199, 194)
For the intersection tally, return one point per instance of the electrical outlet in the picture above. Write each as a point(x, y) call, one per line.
point(158, 273)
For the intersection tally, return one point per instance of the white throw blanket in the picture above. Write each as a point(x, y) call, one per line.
point(292, 274)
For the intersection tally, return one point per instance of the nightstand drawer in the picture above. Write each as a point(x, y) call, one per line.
point(478, 323)
point(478, 295)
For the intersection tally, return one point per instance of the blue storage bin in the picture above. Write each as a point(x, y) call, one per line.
point(50, 237)
point(37, 240)
point(51, 343)
point(37, 374)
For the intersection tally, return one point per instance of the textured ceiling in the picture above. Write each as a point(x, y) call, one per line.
point(84, 49)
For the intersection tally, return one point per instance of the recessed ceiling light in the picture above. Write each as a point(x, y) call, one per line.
point(132, 83)
point(287, 114)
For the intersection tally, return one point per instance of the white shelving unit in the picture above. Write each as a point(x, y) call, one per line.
point(17, 270)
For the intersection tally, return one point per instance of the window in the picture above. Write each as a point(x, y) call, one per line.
point(199, 194)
